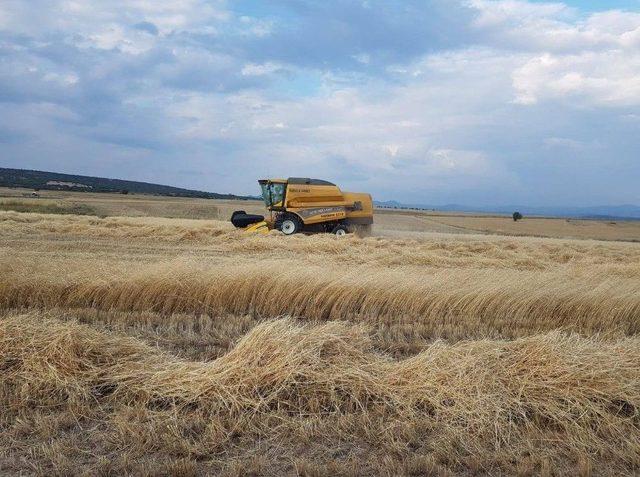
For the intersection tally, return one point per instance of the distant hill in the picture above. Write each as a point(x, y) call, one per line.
point(54, 181)
point(602, 212)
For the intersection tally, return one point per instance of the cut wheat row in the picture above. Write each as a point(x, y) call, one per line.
point(509, 303)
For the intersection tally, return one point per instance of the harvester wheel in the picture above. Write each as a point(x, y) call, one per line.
point(340, 230)
point(290, 225)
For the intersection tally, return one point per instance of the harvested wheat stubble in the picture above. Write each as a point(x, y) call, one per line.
point(195, 337)
point(203, 384)
point(555, 398)
point(219, 237)
point(154, 228)
point(447, 302)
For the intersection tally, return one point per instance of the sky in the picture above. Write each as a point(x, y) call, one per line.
point(478, 102)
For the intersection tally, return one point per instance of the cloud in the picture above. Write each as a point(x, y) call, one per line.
point(147, 27)
point(253, 69)
point(610, 78)
point(342, 34)
point(38, 17)
point(566, 56)
point(473, 101)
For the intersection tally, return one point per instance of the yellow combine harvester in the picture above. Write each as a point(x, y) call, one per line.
point(309, 206)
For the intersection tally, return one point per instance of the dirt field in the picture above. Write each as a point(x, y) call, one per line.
point(179, 346)
point(388, 222)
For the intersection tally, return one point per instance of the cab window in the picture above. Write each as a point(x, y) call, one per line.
point(277, 193)
point(272, 193)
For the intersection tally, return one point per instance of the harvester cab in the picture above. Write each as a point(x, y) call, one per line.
point(308, 206)
point(273, 191)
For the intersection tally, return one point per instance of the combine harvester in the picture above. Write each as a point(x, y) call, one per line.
point(308, 206)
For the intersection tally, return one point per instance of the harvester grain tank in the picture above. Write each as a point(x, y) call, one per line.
point(310, 206)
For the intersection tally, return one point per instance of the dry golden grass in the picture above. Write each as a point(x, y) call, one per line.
point(547, 227)
point(448, 303)
point(44, 207)
point(218, 237)
point(131, 205)
point(405, 223)
point(497, 406)
point(156, 346)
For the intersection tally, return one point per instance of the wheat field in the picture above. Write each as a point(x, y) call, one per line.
point(391, 223)
point(180, 346)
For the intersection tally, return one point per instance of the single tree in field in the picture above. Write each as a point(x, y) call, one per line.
point(517, 216)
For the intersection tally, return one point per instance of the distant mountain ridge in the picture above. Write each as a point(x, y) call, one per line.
point(601, 212)
point(55, 181)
